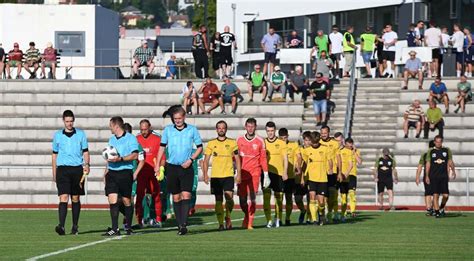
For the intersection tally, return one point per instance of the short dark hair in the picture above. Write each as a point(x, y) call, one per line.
point(251, 121)
point(315, 137)
point(188, 83)
point(412, 25)
point(221, 122)
point(438, 78)
point(438, 137)
point(270, 124)
point(283, 132)
point(117, 120)
point(349, 27)
point(306, 134)
point(338, 134)
point(68, 113)
point(319, 74)
point(420, 21)
point(127, 127)
point(145, 121)
point(32, 43)
point(349, 140)
point(326, 127)
point(335, 26)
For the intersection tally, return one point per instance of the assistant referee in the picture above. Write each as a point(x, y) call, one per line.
point(178, 138)
point(70, 161)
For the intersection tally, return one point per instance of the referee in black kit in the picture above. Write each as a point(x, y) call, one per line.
point(178, 138)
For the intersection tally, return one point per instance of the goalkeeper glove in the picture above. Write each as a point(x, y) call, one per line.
point(160, 175)
point(266, 180)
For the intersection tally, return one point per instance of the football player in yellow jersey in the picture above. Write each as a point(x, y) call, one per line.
point(277, 156)
point(317, 161)
point(223, 152)
point(301, 188)
point(333, 147)
point(293, 170)
point(345, 162)
point(352, 177)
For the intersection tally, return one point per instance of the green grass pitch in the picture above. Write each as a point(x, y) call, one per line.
point(371, 236)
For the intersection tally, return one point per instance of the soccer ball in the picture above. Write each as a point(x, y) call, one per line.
point(109, 152)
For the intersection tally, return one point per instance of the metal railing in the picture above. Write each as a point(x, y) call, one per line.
point(350, 100)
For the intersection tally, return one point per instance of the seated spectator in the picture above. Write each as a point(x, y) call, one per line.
point(277, 83)
point(464, 94)
point(413, 118)
point(299, 83)
point(323, 65)
point(32, 59)
point(257, 83)
point(320, 92)
point(229, 94)
point(189, 98)
point(15, 57)
point(2, 60)
point(434, 120)
point(439, 93)
point(143, 56)
point(49, 60)
point(171, 69)
point(210, 94)
point(294, 40)
point(413, 69)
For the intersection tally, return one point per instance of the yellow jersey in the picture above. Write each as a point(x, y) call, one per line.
point(333, 146)
point(346, 156)
point(316, 160)
point(293, 150)
point(276, 151)
point(222, 153)
point(354, 162)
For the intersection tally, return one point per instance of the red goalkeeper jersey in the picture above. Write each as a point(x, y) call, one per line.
point(151, 146)
point(253, 155)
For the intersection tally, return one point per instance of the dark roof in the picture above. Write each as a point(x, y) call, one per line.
point(181, 43)
point(130, 8)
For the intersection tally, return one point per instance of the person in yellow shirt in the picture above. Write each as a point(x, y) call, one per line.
point(223, 152)
point(345, 162)
point(333, 147)
point(351, 177)
point(317, 161)
point(277, 156)
point(301, 188)
point(293, 170)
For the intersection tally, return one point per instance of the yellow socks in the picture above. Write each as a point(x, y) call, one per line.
point(267, 194)
point(313, 205)
point(352, 200)
point(219, 208)
point(343, 204)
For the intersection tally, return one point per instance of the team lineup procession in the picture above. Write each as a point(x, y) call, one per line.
point(236, 130)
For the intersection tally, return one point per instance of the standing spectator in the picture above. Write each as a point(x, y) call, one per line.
point(433, 40)
point(143, 56)
point(413, 69)
point(320, 92)
point(419, 32)
point(323, 66)
point(468, 50)
point(389, 40)
point(210, 94)
point(215, 47)
point(335, 48)
point(2, 61)
point(49, 60)
point(434, 120)
point(200, 50)
point(32, 59)
point(277, 83)
point(299, 83)
point(445, 37)
point(385, 175)
point(411, 36)
point(321, 42)
point(256, 82)
point(15, 57)
point(349, 48)
point(367, 43)
point(428, 192)
point(227, 43)
point(464, 94)
point(189, 98)
point(270, 44)
point(379, 49)
point(294, 40)
point(413, 118)
point(439, 93)
point(457, 40)
point(229, 93)
point(171, 70)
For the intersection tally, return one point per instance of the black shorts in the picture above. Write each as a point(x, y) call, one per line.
point(259, 88)
point(226, 57)
point(220, 185)
point(289, 186)
point(382, 184)
point(412, 124)
point(352, 182)
point(270, 58)
point(179, 179)
point(344, 187)
point(332, 180)
point(335, 56)
point(321, 188)
point(460, 57)
point(389, 56)
point(216, 60)
point(119, 182)
point(276, 182)
point(439, 185)
point(428, 191)
point(68, 179)
point(301, 190)
point(435, 53)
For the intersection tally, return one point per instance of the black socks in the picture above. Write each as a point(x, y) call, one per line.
point(62, 211)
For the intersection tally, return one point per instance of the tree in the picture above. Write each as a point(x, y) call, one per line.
point(156, 8)
point(199, 12)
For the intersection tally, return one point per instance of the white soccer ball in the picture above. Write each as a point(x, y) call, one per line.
point(109, 152)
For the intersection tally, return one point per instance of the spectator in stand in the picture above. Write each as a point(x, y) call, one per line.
point(468, 50)
point(210, 94)
point(200, 50)
point(413, 69)
point(434, 120)
point(413, 118)
point(229, 93)
point(419, 32)
point(294, 40)
point(379, 49)
point(277, 83)
point(256, 82)
point(335, 48)
point(32, 59)
point(464, 94)
point(270, 44)
point(215, 47)
point(321, 42)
point(411, 36)
point(323, 65)
point(189, 98)
point(367, 43)
point(143, 56)
point(433, 40)
point(2, 61)
point(49, 60)
point(227, 41)
point(299, 83)
point(15, 57)
point(389, 40)
point(349, 48)
point(171, 70)
point(439, 93)
point(457, 40)
point(320, 92)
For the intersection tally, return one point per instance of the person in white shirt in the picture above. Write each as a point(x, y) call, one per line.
point(335, 48)
point(389, 39)
point(189, 98)
point(444, 37)
point(457, 41)
point(420, 26)
point(433, 40)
